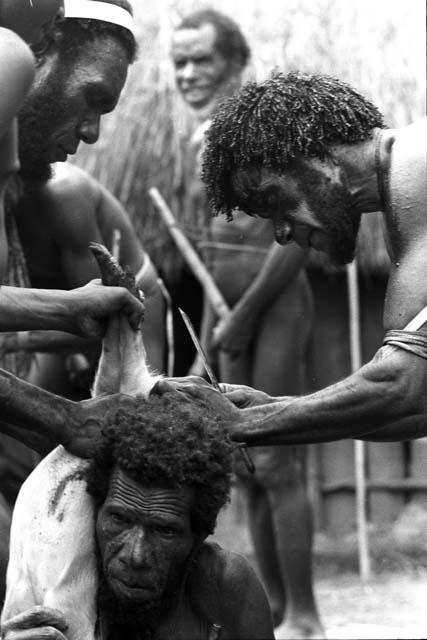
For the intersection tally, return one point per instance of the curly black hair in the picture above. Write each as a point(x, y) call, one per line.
point(229, 41)
point(270, 123)
point(69, 35)
point(165, 442)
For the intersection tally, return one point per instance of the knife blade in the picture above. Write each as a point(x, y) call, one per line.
point(214, 381)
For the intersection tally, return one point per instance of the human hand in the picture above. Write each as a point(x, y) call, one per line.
point(37, 623)
point(192, 388)
point(233, 333)
point(92, 305)
point(243, 397)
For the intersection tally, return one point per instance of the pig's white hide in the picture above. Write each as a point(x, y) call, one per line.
point(52, 550)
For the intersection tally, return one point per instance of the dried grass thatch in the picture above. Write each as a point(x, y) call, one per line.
point(375, 45)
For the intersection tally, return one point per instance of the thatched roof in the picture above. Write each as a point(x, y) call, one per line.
point(363, 43)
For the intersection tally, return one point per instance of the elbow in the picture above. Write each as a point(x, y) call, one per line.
point(401, 380)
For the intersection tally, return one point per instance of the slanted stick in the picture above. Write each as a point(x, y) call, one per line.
point(210, 288)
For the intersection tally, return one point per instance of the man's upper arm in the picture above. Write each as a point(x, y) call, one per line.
point(407, 226)
point(111, 216)
point(69, 204)
point(244, 604)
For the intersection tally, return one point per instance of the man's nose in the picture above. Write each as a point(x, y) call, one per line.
point(89, 130)
point(138, 552)
point(187, 71)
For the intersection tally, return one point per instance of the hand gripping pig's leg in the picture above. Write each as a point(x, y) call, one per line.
point(123, 366)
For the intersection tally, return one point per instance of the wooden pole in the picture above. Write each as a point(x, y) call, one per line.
point(212, 292)
point(359, 445)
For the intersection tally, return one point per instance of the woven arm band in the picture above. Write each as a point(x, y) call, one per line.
point(408, 340)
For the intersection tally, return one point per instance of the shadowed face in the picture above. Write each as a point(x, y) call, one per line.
point(29, 18)
point(308, 205)
point(66, 103)
point(145, 538)
point(199, 68)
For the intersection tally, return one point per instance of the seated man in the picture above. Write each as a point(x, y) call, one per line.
point(159, 477)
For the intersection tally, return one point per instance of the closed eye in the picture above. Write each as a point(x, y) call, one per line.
point(119, 518)
point(167, 531)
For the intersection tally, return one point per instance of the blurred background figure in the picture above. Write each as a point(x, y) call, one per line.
point(269, 298)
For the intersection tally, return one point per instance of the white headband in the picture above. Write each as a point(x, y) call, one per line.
point(92, 10)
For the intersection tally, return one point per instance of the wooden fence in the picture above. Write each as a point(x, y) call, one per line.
point(396, 472)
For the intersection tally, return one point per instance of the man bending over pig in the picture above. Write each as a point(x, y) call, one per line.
point(159, 477)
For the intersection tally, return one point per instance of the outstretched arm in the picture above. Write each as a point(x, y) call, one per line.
point(81, 311)
point(384, 401)
point(41, 419)
point(280, 267)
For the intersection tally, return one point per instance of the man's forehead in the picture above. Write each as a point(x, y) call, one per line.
point(103, 54)
point(194, 41)
point(101, 62)
point(126, 491)
point(247, 180)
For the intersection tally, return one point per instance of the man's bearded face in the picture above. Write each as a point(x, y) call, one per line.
point(144, 538)
point(200, 69)
point(308, 204)
point(66, 103)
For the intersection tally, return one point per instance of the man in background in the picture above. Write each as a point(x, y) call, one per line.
point(264, 337)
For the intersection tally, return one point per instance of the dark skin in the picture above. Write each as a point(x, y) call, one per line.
point(71, 210)
point(385, 399)
point(260, 342)
point(83, 311)
point(146, 542)
point(43, 420)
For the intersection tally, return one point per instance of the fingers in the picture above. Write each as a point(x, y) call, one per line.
point(186, 383)
point(228, 388)
point(40, 617)
point(239, 395)
point(239, 398)
point(40, 633)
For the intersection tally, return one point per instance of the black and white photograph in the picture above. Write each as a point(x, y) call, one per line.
point(213, 320)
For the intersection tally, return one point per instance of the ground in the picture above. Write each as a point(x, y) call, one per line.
point(391, 605)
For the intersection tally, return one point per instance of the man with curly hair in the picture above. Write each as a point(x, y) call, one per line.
point(313, 155)
point(260, 342)
point(159, 478)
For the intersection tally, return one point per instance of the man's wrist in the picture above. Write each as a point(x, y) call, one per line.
point(73, 419)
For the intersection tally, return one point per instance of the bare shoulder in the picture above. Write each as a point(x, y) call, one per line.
point(70, 180)
point(70, 200)
point(408, 188)
point(227, 591)
point(16, 75)
point(229, 568)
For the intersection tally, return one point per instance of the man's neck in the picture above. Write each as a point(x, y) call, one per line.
point(365, 170)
